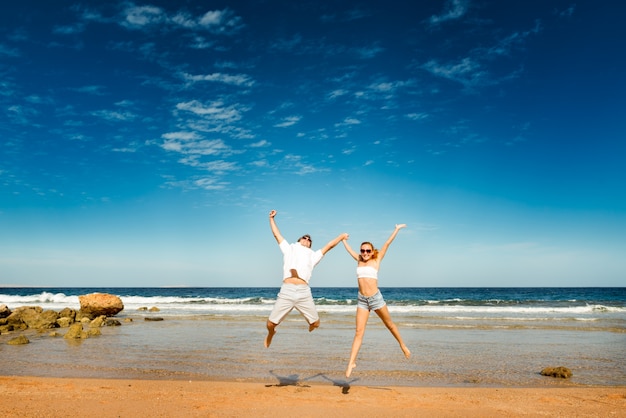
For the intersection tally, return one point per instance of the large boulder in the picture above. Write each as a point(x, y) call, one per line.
point(4, 311)
point(96, 304)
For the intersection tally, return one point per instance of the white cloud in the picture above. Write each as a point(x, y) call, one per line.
point(416, 116)
point(139, 16)
point(260, 144)
point(215, 21)
point(210, 183)
point(215, 110)
point(260, 163)
point(237, 79)
point(455, 9)
point(337, 93)
point(301, 168)
point(199, 147)
point(467, 71)
point(348, 121)
point(288, 121)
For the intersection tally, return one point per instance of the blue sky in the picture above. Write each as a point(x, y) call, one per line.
point(144, 143)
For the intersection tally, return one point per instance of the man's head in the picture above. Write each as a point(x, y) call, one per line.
point(305, 240)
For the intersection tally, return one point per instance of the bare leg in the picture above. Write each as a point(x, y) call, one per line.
point(361, 321)
point(383, 313)
point(271, 330)
point(314, 325)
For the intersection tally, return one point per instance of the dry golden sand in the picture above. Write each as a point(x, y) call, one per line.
point(61, 397)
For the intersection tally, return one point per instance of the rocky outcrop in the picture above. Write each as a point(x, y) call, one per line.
point(560, 372)
point(95, 309)
point(96, 304)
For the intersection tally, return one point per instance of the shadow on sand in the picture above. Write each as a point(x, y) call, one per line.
point(296, 380)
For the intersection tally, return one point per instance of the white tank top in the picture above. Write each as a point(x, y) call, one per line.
point(366, 272)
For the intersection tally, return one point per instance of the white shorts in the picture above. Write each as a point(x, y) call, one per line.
point(294, 296)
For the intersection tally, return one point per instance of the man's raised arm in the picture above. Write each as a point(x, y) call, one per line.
point(275, 230)
point(331, 244)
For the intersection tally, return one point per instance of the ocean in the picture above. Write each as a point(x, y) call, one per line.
point(458, 337)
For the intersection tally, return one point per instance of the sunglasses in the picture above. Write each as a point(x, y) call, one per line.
point(306, 238)
point(365, 251)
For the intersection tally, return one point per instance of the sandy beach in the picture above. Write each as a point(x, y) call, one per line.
point(25, 396)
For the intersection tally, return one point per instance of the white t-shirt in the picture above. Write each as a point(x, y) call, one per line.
point(297, 256)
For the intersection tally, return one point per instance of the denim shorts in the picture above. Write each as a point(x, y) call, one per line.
point(373, 302)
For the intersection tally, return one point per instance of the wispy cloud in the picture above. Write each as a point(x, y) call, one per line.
point(261, 144)
point(466, 71)
point(301, 168)
point(192, 143)
point(505, 45)
point(454, 9)
point(215, 21)
point(78, 27)
point(348, 121)
point(567, 13)
point(416, 116)
point(204, 183)
point(236, 80)
point(369, 51)
point(8, 51)
point(216, 111)
point(288, 121)
point(93, 89)
point(113, 115)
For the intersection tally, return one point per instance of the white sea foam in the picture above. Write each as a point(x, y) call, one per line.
point(448, 308)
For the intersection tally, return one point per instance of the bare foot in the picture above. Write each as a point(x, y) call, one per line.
point(313, 326)
point(349, 369)
point(268, 339)
point(406, 351)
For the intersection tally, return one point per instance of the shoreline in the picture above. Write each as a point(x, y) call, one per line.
point(27, 396)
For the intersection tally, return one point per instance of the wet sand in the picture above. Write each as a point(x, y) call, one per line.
point(25, 396)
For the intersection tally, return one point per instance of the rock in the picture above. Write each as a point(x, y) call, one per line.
point(154, 309)
point(18, 340)
point(97, 304)
point(94, 332)
point(32, 317)
point(110, 322)
point(43, 320)
point(4, 311)
point(560, 372)
point(98, 322)
point(84, 316)
point(4, 329)
point(64, 322)
point(76, 332)
point(68, 313)
point(143, 308)
point(153, 318)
